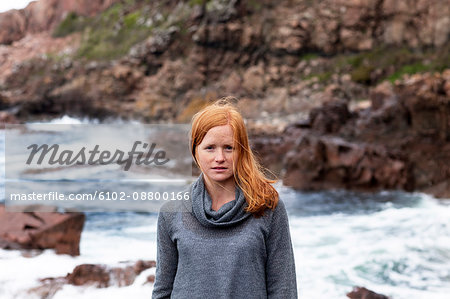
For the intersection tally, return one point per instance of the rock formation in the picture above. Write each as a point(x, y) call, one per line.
point(100, 276)
point(43, 15)
point(402, 141)
point(251, 50)
point(41, 229)
point(363, 293)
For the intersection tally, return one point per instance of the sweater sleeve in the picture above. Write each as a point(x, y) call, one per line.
point(280, 266)
point(166, 261)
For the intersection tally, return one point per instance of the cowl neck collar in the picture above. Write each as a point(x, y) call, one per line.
point(229, 214)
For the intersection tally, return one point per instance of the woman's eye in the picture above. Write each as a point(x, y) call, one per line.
point(230, 148)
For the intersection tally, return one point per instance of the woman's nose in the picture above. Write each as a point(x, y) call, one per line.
point(219, 156)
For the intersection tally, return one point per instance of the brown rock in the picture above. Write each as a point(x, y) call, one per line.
point(251, 36)
point(316, 163)
point(356, 40)
point(395, 31)
point(31, 46)
point(441, 30)
point(128, 76)
point(253, 79)
point(330, 117)
point(363, 293)
point(288, 40)
point(43, 15)
point(401, 142)
point(228, 35)
point(12, 26)
point(425, 98)
point(156, 44)
point(351, 16)
point(269, 150)
point(100, 276)
point(89, 274)
point(380, 94)
point(141, 265)
point(41, 230)
point(7, 118)
point(328, 26)
point(233, 83)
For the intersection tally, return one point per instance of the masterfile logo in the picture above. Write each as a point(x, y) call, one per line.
point(97, 157)
point(91, 166)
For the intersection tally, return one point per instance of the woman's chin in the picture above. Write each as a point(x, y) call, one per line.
point(219, 177)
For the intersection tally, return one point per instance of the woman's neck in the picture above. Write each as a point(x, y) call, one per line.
point(220, 193)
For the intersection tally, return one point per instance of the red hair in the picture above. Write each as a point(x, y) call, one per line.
point(248, 173)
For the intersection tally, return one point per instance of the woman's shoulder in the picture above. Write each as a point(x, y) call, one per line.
point(276, 214)
point(280, 205)
point(170, 209)
point(279, 208)
point(275, 220)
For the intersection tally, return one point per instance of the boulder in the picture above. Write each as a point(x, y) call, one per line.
point(316, 163)
point(363, 293)
point(41, 230)
point(104, 276)
point(97, 275)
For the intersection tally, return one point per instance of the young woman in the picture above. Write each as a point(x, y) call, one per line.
point(232, 240)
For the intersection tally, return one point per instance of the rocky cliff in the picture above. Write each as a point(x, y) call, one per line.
point(401, 141)
point(43, 15)
point(163, 60)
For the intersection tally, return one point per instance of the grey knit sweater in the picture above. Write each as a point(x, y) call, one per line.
point(227, 253)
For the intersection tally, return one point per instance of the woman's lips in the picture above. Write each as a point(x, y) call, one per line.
point(219, 168)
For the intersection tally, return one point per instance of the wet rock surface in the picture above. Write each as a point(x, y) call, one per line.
point(97, 275)
point(41, 229)
point(363, 293)
point(401, 142)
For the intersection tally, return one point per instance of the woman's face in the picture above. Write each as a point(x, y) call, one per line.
point(215, 154)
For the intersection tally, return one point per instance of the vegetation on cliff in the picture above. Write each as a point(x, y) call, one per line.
point(381, 64)
point(108, 35)
point(111, 34)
